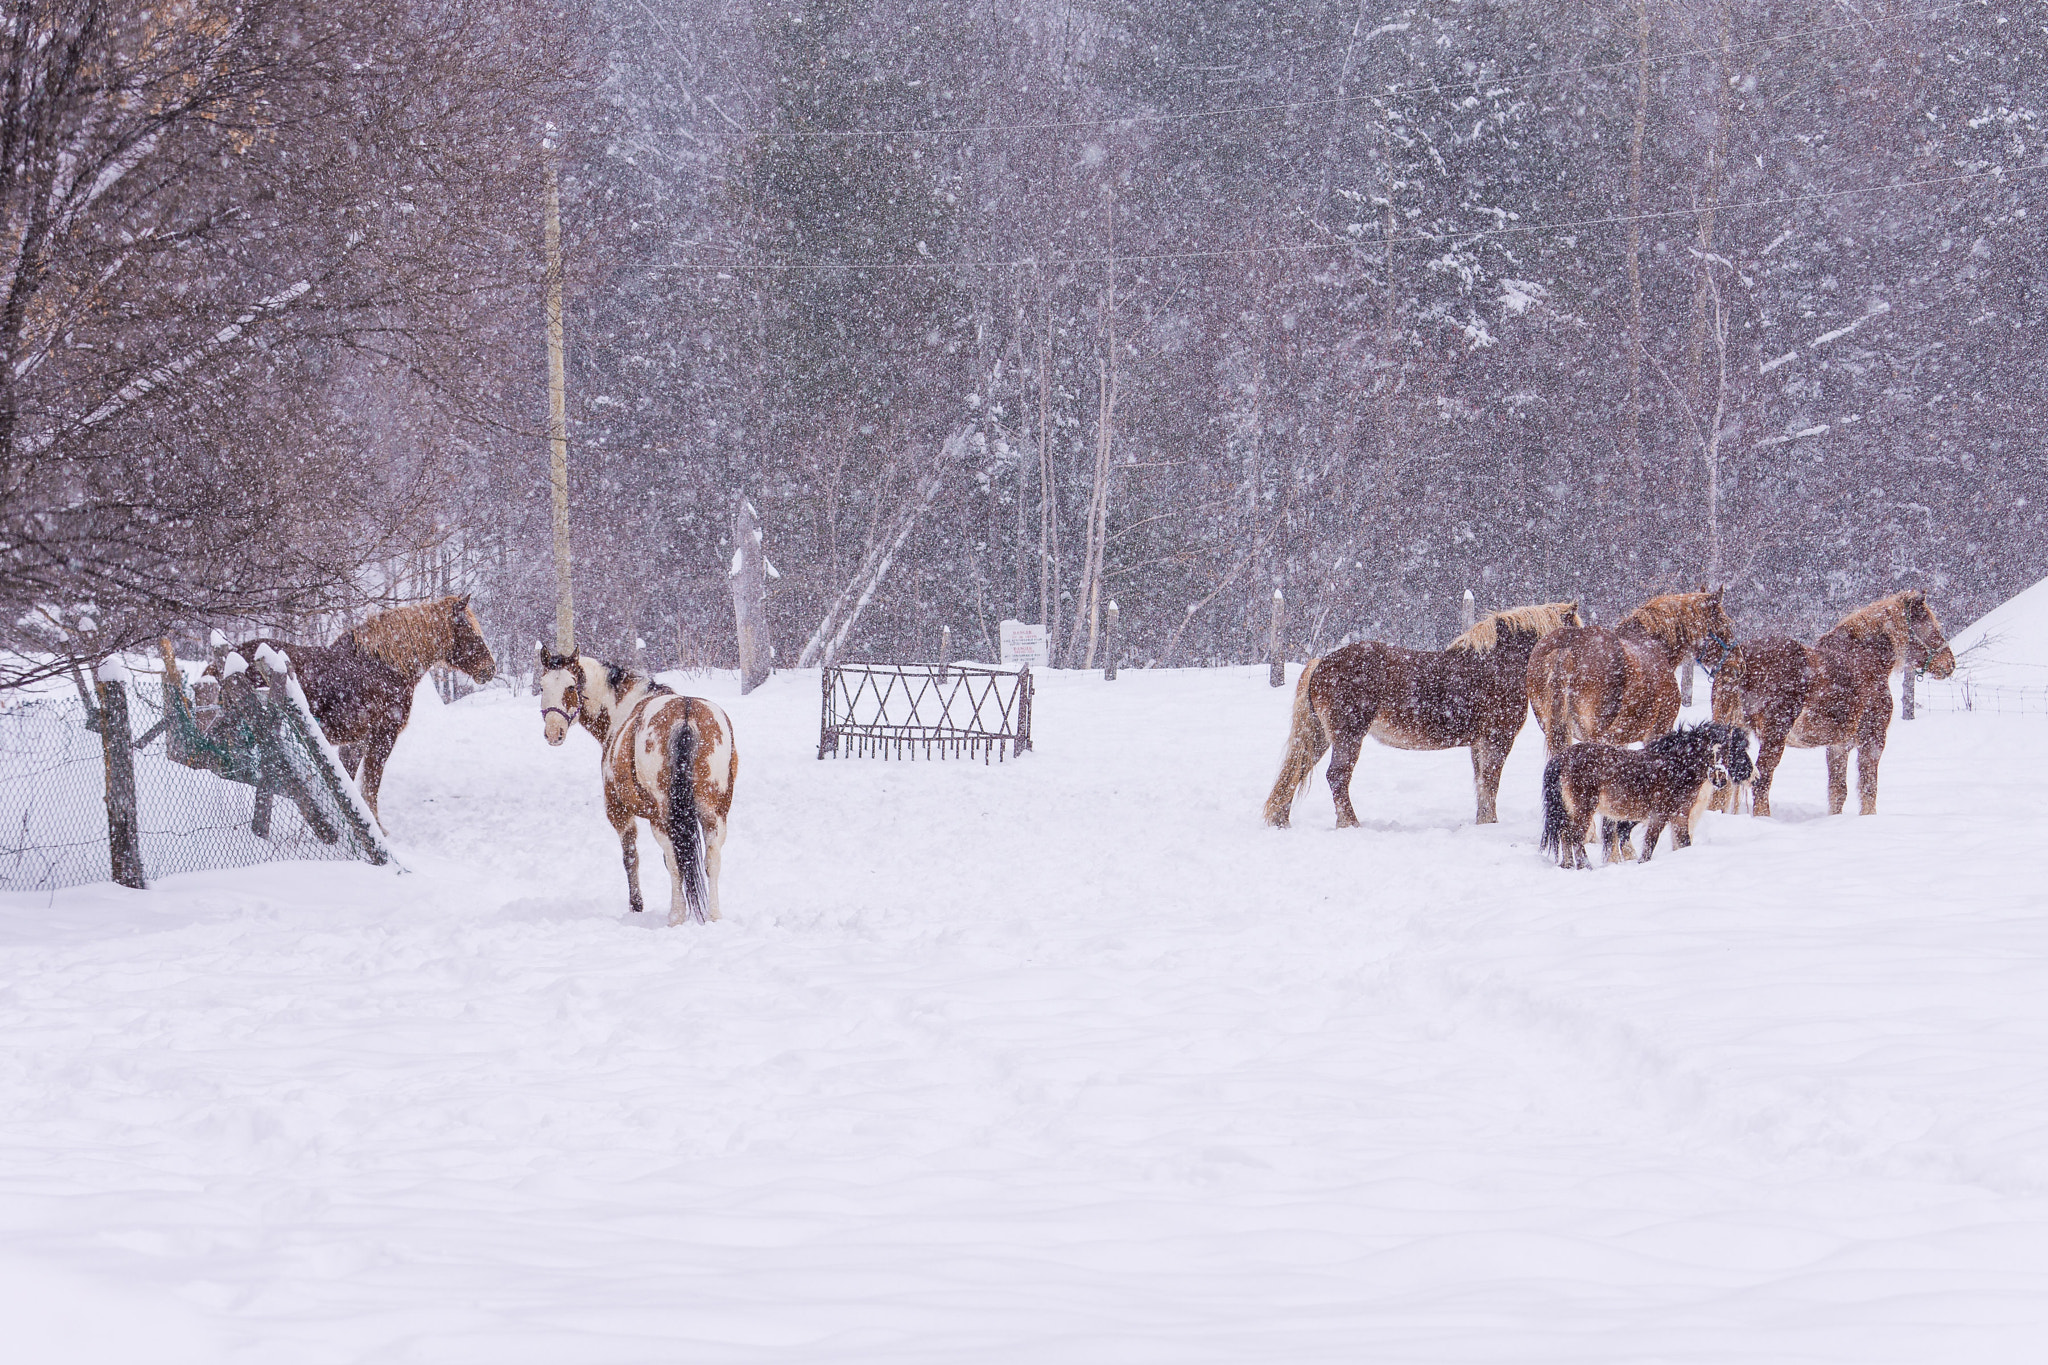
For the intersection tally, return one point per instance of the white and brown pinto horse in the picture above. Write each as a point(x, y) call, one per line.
point(667, 759)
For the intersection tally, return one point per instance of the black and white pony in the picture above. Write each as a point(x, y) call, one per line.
point(667, 759)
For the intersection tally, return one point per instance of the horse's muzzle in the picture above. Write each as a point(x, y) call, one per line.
point(1719, 777)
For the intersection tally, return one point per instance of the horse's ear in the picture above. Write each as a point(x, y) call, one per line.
point(1716, 592)
point(1917, 597)
point(462, 602)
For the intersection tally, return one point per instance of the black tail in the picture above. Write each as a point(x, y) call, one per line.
point(1554, 813)
point(685, 832)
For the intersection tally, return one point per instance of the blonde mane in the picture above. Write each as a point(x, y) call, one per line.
point(1887, 616)
point(1537, 620)
point(1667, 617)
point(410, 639)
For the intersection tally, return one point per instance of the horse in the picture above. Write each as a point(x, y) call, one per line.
point(360, 688)
point(1468, 694)
point(1668, 780)
point(667, 759)
point(1619, 685)
point(1836, 694)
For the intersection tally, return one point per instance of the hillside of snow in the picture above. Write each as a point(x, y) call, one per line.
point(1067, 1058)
point(2009, 643)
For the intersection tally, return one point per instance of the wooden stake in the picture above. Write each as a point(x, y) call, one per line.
point(1468, 612)
point(750, 597)
point(124, 835)
point(1110, 644)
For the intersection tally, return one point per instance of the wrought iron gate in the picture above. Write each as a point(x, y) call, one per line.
point(924, 710)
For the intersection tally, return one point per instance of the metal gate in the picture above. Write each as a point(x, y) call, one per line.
point(924, 710)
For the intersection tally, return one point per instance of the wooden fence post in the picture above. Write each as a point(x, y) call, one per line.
point(1906, 694)
point(1276, 662)
point(1468, 612)
point(1685, 682)
point(1109, 645)
point(124, 835)
point(945, 644)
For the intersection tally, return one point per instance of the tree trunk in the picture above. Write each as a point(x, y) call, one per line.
point(748, 575)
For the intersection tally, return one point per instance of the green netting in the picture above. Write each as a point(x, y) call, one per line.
point(247, 781)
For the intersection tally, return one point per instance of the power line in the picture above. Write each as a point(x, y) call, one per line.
point(1362, 243)
point(1289, 106)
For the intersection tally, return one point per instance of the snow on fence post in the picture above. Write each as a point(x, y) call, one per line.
point(1276, 662)
point(124, 839)
point(1906, 694)
point(1110, 642)
point(1468, 612)
point(749, 575)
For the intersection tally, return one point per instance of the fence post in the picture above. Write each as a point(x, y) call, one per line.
point(1906, 695)
point(1276, 662)
point(1109, 646)
point(945, 644)
point(1685, 682)
point(749, 580)
point(1468, 612)
point(124, 838)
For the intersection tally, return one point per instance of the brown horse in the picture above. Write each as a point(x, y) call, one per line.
point(1469, 694)
point(1667, 781)
point(360, 687)
point(1836, 694)
point(1619, 686)
point(667, 759)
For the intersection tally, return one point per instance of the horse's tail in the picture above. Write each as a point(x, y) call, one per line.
point(1557, 695)
point(1554, 811)
point(685, 829)
point(1307, 741)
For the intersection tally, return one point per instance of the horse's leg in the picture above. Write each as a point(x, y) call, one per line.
point(1768, 753)
point(1489, 756)
point(376, 749)
point(1869, 753)
point(351, 758)
point(678, 904)
point(714, 841)
point(1838, 777)
point(1344, 746)
point(1653, 828)
point(629, 850)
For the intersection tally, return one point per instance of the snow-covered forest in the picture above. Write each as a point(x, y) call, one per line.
point(1168, 303)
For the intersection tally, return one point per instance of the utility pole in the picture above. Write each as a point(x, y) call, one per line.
point(558, 418)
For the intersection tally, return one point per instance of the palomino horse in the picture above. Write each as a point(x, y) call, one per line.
point(1470, 694)
point(1667, 781)
point(360, 687)
point(1837, 694)
point(667, 759)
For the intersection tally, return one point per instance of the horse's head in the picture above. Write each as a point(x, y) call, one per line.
point(468, 651)
point(1713, 634)
point(1734, 754)
point(1926, 647)
point(1568, 616)
point(561, 693)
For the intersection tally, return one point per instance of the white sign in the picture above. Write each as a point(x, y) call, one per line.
point(1024, 646)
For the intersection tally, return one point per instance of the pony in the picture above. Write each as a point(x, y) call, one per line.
point(667, 759)
point(360, 687)
point(1836, 694)
point(1667, 781)
point(1469, 694)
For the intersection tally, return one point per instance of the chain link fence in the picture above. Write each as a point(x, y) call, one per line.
point(242, 781)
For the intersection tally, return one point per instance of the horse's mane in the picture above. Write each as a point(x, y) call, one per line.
point(409, 638)
point(621, 680)
point(1887, 616)
point(1538, 620)
point(1685, 736)
point(1664, 617)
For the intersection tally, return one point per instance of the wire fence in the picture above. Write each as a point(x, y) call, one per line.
point(1966, 694)
point(239, 786)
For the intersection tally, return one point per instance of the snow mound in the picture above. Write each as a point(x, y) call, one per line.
point(2008, 645)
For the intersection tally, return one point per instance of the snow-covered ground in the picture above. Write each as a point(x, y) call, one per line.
point(1062, 1059)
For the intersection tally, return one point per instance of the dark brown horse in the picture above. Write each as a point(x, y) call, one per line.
point(1619, 685)
point(1470, 694)
point(360, 687)
point(1836, 694)
point(1667, 781)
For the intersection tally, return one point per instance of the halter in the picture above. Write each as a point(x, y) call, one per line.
point(569, 717)
point(1720, 660)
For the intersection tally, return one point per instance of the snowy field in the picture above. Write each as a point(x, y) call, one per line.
point(1063, 1059)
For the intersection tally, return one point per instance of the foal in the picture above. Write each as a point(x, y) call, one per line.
point(667, 759)
point(1667, 781)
